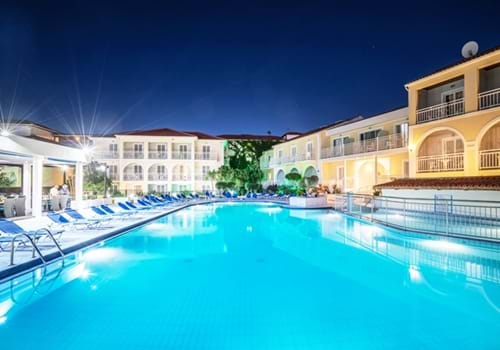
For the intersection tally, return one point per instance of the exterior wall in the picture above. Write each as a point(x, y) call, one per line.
point(183, 170)
point(469, 127)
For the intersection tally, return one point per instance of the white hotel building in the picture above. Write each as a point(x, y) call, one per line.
point(159, 160)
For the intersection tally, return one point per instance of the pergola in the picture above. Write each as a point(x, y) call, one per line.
point(33, 155)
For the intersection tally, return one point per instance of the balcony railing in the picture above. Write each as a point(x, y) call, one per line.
point(440, 111)
point(181, 155)
point(292, 159)
point(157, 177)
point(181, 177)
point(133, 177)
point(206, 156)
point(380, 143)
point(489, 159)
point(440, 163)
point(133, 155)
point(106, 155)
point(489, 99)
point(157, 155)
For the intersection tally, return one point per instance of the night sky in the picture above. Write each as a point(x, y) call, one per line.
point(232, 67)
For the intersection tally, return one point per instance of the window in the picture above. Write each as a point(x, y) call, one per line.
point(280, 154)
point(113, 148)
point(401, 130)
point(451, 145)
point(113, 172)
point(293, 152)
point(183, 152)
point(204, 170)
point(205, 152)
point(160, 169)
point(406, 168)
point(162, 148)
point(368, 135)
point(309, 150)
point(338, 145)
point(452, 95)
point(137, 169)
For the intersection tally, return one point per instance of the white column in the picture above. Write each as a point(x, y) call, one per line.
point(36, 191)
point(79, 182)
point(27, 185)
point(375, 170)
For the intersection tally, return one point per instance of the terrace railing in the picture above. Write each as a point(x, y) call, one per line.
point(440, 111)
point(443, 216)
point(181, 155)
point(157, 177)
point(133, 177)
point(133, 155)
point(206, 156)
point(157, 155)
point(489, 99)
point(440, 163)
point(181, 177)
point(380, 143)
point(489, 159)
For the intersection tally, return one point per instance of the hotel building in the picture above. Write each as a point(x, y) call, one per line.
point(450, 129)
point(159, 160)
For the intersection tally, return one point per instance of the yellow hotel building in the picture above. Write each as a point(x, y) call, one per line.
point(451, 128)
point(454, 117)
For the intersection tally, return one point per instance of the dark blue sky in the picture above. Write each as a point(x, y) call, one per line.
point(229, 67)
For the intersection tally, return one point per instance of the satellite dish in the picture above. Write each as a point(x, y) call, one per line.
point(470, 49)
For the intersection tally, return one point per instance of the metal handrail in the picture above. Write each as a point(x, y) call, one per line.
point(13, 248)
point(47, 232)
point(443, 216)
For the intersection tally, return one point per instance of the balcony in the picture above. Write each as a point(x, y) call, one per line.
point(181, 177)
point(157, 177)
point(181, 155)
point(380, 143)
point(489, 99)
point(489, 159)
point(292, 159)
point(133, 177)
point(440, 111)
point(157, 155)
point(133, 155)
point(206, 156)
point(106, 155)
point(440, 163)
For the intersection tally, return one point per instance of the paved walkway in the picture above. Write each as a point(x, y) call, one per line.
point(74, 239)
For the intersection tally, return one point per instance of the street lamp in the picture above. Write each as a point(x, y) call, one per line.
point(104, 169)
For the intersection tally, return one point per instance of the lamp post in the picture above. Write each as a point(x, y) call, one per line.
point(104, 169)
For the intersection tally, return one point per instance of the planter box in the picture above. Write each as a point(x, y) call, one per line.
point(308, 202)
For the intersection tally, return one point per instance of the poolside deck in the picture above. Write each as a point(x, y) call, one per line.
point(75, 239)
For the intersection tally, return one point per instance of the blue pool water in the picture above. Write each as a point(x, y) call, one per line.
point(250, 276)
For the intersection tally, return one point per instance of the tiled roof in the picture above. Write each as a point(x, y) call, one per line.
point(464, 183)
point(155, 132)
point(463, 60)
point(202, 135)
point(250, 137)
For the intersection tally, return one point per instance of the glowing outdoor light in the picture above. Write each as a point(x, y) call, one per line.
point(5, 133)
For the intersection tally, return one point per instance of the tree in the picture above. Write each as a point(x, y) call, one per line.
point(93, 179)
point(6, 180)
point(294, 178)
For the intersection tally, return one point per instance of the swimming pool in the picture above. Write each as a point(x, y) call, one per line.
point(256, 276)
